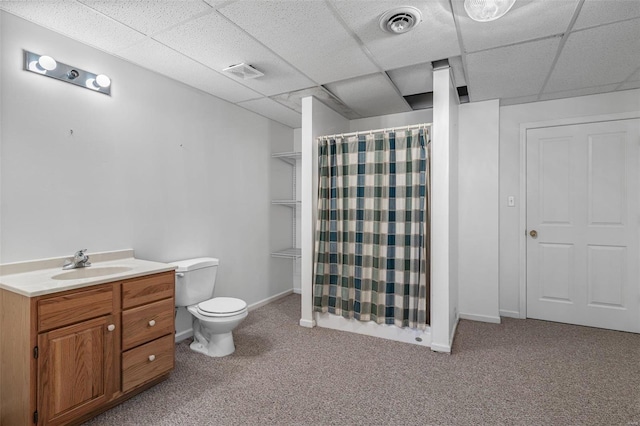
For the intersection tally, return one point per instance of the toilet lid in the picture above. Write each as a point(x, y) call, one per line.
point(221, 306)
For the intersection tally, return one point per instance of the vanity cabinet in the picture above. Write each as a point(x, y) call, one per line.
point(76, 369)
point(68, 356)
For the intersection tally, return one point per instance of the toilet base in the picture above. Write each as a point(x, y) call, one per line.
point(219, 345)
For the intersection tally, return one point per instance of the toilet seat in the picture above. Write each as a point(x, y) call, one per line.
point(221, 307)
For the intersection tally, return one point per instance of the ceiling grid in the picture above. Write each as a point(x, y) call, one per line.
point(335, 49)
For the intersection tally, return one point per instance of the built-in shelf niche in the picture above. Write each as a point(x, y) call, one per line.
point(290, 158)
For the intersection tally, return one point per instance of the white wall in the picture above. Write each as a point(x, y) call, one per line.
point(159, 167)
point(453, 208)
point(511, 118)
point(297, 146)
point(391, 120)
point(478, 211)
point(317, 120)
point(444, 210)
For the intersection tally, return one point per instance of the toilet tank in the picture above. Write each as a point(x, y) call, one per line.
point(195, 280)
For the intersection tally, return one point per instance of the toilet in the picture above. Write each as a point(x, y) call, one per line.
point(214, 318)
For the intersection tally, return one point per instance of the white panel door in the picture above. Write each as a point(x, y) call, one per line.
point(583, 220)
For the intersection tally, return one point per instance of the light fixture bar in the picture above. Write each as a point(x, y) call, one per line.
point(46, 65)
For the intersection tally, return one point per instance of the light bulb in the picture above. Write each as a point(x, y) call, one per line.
point(103, 81)
point(91, 84)
point(47, 63)
point(33, 66)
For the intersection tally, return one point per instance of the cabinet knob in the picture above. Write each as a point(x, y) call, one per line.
point(152, 357)
point(111, 327)
point(152, 323)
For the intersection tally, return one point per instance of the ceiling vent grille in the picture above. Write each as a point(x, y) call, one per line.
point(243, 71)
point(400, 20)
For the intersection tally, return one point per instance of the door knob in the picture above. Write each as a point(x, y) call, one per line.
point(533, 233)
point(152, 323)
point(152, 358)
point(111, 327)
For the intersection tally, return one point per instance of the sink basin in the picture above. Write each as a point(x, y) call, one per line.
point(90, 272)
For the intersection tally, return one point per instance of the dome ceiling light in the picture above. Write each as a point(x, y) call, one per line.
point(487, 10)
point(400, 20)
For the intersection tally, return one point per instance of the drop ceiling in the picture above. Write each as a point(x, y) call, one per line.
point(335, 49)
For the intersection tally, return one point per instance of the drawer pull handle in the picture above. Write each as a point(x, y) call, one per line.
point(152, 323)
point(111, 327)
point(152, 357)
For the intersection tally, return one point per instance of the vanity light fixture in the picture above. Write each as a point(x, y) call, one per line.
point(46, 65)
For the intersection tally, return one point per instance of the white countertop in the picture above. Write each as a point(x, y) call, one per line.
point(36, 278)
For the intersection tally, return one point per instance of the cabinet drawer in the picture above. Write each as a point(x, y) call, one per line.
point(148, 289)
point(67, 309)
point(147, 362)
point(147, 322)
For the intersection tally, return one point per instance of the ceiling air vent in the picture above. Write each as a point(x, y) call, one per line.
point(400, 20)
point(243, 71)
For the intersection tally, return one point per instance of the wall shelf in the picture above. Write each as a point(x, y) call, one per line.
point(288, 203)
point(290, 158)
point(291, 253)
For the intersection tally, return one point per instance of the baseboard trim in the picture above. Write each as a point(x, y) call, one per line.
point(297, 290)
point(307, 323)
point(481, 318)
point(183, 335)
point(436, 347)
point(453, 332)
point(509, 314)
point(268, 300)
point(440, 348)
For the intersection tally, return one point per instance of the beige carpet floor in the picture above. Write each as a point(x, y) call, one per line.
point(520, 372)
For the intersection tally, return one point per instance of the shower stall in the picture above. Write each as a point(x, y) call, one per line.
point(365, 267)
point(371, 252)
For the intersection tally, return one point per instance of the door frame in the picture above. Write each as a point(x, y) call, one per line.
point(522, 242)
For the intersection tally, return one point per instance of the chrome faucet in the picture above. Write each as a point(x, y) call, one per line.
point(79, 260)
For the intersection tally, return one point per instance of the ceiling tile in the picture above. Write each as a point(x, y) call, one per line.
point(275, 111)
point(578, 92)
point(413, 79)
point(509, 72)
point(518, 100)
point(527, 20)
point(635, 76)
point(369, 95)
point(293, 100)
point(306, 33)
point(618, 55)
point(218, 44)
point(76, 21)
point(458, 71)
point(161, 59)
point(629, 85)
point(149, 16)
point(598, 12)
point(435, 35)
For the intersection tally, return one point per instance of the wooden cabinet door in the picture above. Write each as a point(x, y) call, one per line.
point(76, 369)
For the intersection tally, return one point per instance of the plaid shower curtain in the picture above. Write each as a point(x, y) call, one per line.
point(371, 248)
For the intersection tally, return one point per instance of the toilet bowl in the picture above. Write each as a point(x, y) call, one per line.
point(213, 322)
point(214, 318)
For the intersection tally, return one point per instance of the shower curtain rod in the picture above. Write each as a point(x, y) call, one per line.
point(343, 135)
